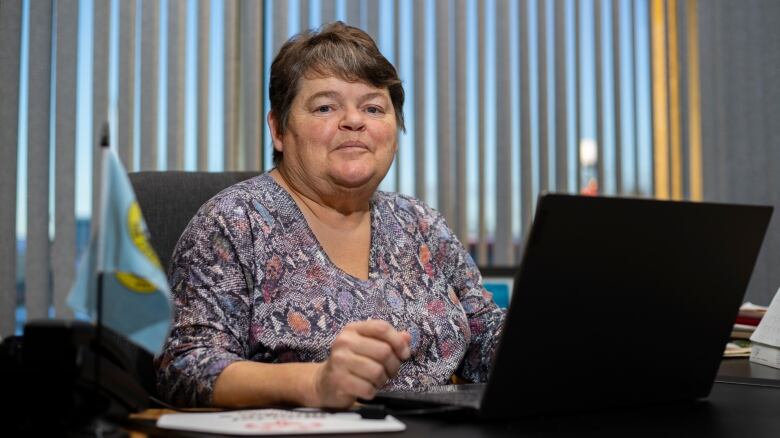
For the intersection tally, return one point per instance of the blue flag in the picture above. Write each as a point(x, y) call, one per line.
point(136, 297)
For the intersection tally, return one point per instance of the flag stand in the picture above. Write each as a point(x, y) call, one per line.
point(97, 342)
point(99, 426)
point(107, 362)
point(95, 373)
point(104, 145)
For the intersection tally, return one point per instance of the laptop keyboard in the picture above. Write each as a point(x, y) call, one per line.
point(466, 395)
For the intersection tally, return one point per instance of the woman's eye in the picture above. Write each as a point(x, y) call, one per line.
point(374, 110)
point(323, 109)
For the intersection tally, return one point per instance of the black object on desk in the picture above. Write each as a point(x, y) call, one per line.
point(53, 372)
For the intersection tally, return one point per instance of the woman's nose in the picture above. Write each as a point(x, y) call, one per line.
point(353, 120)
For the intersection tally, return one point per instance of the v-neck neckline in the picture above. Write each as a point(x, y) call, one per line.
point(297, 214)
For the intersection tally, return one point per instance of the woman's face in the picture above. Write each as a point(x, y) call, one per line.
point(340, 135)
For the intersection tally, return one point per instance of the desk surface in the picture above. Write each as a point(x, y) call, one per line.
point(732, 410)
point(742, 371)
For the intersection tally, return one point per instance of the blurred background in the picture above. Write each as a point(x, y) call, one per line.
point(668, 99)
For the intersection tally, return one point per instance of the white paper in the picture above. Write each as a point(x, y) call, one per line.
point(765, 355)
point(277, 422)
point(768, 330)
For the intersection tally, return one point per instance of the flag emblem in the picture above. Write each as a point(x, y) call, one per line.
point(139, 234)
point(134, 283)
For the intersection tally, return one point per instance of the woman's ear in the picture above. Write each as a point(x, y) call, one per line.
point(276, 136)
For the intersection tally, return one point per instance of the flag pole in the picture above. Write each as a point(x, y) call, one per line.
point(104, 145)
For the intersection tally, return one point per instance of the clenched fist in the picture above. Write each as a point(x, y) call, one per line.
point(364, 356)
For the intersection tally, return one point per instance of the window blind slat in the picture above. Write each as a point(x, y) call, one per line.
point(397, 57)
point(353, 12)
point(601, 147)
point(100, 36)
point(617, 61)
point(561, 108)
point(526, 145)
point(503, 251)
point(444, 167)
point(675, 134)
point(694, 102)
point(684, 63)
point(126, 102)
point(251, 94)
point(64, 245)
point(230, 111)
point(482, 247)
point(10, 54)
point(280, 30)
point(577, 95)
point(462, 179)
point(304, 14)
point(660, 100)
point(327, 11)
point(543, 87)
point(204, 32)
point(419, 99)
point(177, 31)
point(150, 42)
point(720, 96)
point(372, 18)
point(645, 143)
point(37, 256)
point(635, 98)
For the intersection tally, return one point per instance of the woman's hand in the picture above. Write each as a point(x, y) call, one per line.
point(364, 356)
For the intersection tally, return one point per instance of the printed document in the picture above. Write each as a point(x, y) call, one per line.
point(277, 422)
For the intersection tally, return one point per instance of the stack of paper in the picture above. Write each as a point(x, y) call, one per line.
point(737, 348)
point(749, 317)
point(277, 422)
point(765, 340)
point(747, 320)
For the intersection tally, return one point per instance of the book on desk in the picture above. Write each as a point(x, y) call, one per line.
point(748, 318)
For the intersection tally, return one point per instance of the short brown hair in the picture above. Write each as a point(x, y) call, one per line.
point(335, 49)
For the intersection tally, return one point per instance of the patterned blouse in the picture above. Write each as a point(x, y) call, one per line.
point(250, 281)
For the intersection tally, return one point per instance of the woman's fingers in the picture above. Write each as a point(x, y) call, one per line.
point(383, 331)
point(346, 377)
point(378, 351)
point(338, 388)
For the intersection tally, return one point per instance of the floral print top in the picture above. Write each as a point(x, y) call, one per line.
point(250, 281)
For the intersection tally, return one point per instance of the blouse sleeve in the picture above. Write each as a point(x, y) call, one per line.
point(485, 318)
point(211, 288)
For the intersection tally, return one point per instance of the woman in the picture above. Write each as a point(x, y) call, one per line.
point(305, 285)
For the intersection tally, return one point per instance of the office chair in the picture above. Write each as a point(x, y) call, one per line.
point(169, 199)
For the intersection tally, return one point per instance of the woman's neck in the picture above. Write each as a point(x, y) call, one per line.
point(337, 209)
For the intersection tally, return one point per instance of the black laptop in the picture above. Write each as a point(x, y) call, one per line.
point(617, 302)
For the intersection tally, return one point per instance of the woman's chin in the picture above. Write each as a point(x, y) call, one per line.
point(353, 182)
point(354, 177)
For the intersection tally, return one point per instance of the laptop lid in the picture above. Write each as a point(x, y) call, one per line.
point(622, 302)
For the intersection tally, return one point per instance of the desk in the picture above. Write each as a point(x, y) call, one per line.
point(742, 371)
point(731, 410)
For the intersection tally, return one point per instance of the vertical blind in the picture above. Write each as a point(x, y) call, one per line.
point(10, 60)
point(504, 99)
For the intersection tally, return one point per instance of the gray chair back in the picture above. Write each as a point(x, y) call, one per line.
point(169, 199)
